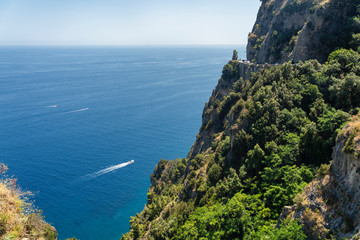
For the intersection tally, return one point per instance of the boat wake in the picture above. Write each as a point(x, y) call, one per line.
point(53, 106)
point(106, 170)
point(79, 110)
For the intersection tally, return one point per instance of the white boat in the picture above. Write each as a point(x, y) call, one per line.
point(131, 161)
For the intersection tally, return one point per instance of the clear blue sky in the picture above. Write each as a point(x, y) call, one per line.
point(89, 22)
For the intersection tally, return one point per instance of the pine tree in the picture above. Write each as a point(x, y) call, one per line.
point(235, 55)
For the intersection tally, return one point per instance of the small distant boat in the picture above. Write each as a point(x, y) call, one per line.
point(54, 106)
point(131, 161)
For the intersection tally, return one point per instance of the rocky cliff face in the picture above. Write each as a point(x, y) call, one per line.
point(210, 117)
point(299, 30)
point(212, 122)
point(330, 205)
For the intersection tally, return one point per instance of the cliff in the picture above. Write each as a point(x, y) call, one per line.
point(261, 140)
point(231, 73)
point(267, 137)
point(299, 30)
point(329, 205)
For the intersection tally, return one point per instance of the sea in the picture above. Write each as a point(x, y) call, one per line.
point(72, 118)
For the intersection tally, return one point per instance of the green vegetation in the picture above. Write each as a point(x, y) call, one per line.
point(323, 170)
point(18, 218)
point(350, 133)
point(283, 40)
point(294, 6)
point(235, 55)
point(272, 135)
point(230, 71)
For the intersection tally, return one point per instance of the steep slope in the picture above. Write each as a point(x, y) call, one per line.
point(267, 132)
point(212, 120)
point(330, 204)
point(260, 143)
point(299, 30)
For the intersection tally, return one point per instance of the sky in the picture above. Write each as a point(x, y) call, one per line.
point(126, 22)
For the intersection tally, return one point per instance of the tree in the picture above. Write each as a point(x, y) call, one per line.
point(255, 158)
point(229, 72)
point(289, 230)
point(214, 173)
point(355, 42)
point(345, 92)
point(235, 55)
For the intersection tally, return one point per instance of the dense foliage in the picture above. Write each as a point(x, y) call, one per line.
point(269, 136)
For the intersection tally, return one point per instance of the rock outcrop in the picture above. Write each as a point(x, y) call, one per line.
point(330, 205)
point(299, 30)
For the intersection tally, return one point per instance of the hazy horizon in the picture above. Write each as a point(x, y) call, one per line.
point(116, 45)
point(125, 23)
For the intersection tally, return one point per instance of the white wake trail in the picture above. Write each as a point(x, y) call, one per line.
point(106, 170)
point(79, 110)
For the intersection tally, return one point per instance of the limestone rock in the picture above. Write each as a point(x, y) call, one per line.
point(299, 30)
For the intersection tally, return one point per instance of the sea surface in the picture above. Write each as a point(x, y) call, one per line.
point(71, 119)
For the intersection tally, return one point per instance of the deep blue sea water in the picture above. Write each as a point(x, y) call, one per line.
point(115, 104)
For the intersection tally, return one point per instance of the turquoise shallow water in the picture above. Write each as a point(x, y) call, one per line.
point(67, 113)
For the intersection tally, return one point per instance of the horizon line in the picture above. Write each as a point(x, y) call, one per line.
point(119, 45)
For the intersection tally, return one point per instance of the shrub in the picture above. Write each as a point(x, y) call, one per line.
point(350, 143)
point(226, 105)
point(298, 199)
point(214, 173)
point(50, 233)
point(289, 230)
point(323, 170)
